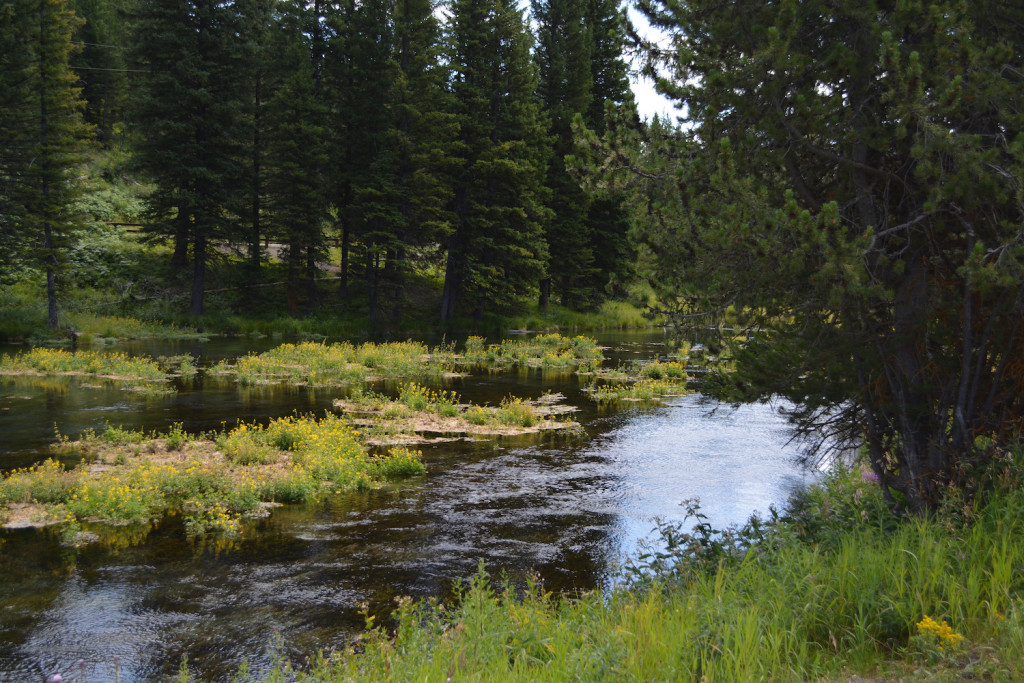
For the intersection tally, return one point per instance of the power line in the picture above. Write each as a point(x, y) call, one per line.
point(97, 68)
point(82, 42)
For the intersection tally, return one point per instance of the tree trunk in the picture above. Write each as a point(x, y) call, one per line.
point(311, 292)
point(198, 271)
point(372, 282)
point(343, 286)
point(452, 280)
point(179, 259)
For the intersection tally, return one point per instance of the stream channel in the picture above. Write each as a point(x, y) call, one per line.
point(569, 509)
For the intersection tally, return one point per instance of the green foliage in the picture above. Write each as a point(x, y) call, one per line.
point(869, 597)
point(580, 59)
point(186, 107)
point(212, 489)
point(113, 366)
point(320, 364)
point(548, 350)
point(44, 139)
point(496, 252)
point(857, 216)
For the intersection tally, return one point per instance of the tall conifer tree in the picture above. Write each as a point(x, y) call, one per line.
point(496, 251)
point(297, 151)
point(43, 133)
point(581, 67)
point(188, 111)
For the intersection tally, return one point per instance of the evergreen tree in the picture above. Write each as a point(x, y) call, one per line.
point(188, 108)
point(101, 62)
point(496, 250)
point(582, 68)
point(608, 217)
point(849, 188)
point(43, 133)
point(372, 212)
point(258, 19)
point(296, 154)
point(358, 82)
point(566, 88)
point(404, 206)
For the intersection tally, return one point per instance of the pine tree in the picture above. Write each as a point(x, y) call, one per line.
point(358, 82)
point(608, 217)
point(296, 154)
point(188, 110)
point(44, 135)
point(403, 206)
point(582, 69)
point(101, 62)
point(258, 20)
point(566, 88)
point(496, 251)
point(849, 188)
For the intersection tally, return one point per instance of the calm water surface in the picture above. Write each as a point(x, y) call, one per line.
point(569, 509)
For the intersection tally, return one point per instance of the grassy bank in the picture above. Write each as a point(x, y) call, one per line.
point(835, 588)
point(550, 350)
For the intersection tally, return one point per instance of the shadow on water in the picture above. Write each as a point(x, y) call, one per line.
point(567, 508)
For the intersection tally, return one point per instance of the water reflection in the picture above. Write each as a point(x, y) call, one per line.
point(567, 508)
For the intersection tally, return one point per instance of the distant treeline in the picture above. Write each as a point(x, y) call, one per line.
point(408, 134)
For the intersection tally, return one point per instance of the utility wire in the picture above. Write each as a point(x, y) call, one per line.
point(97, 68)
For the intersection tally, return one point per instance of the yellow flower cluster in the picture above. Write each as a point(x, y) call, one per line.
point(942, 632)
point(54, 361)
point(546, 349)
point(321, 364)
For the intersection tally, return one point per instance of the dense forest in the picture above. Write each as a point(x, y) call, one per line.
point(839, 207)
point(381, 138)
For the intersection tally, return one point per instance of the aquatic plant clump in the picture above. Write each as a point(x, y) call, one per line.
point(642, 390)
point(41, 364)
point(319, 364)
point(113, 366)
point(419, 409)
point(544, 350)
point(213, 482)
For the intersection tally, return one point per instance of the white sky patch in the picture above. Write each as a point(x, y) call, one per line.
point(648, 101)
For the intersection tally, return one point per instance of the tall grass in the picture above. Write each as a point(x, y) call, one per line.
point(544, 350)
point(854, 592)
point(610, 315)
point(115, 366)
point(319, 364)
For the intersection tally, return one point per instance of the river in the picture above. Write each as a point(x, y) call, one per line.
point(566, 508)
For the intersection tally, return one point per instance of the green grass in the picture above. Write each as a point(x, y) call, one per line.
point(417, 403)
point(212, 482)
point(319, 364)
point(544, 350)
point(610, 315)
point(818, 594)
point(50, 362)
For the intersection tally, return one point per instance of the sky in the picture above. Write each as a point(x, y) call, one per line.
point(648, 101)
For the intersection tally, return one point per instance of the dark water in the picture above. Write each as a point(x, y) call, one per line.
point(567, 508)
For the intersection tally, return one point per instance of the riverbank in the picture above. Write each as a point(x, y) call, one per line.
point(96, 317)
point(835, 589)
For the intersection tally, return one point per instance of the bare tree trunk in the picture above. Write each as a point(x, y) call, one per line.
point(198, 270)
